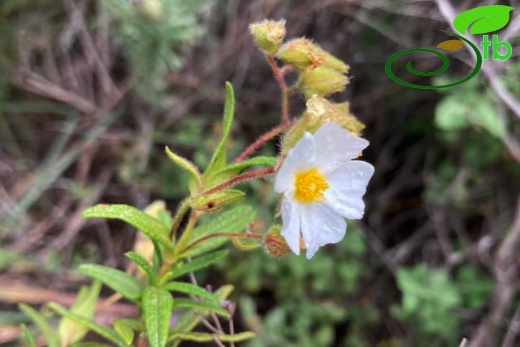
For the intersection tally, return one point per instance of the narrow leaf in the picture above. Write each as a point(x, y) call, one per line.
point(219, 157)
point(238, 168)
point(204, 307)
point(190, 319)
point(198, 263)
point(43, 325)
point(157, 307)
point(119, 281)
point(124, 328)
point(207, 337)
point(189, 167)
point(91, 325)
point(234, 220)
point(69, 331)
point(485, 19)
point(28, 336)
point(188, 288)
point(148, 225)
point(143, 264)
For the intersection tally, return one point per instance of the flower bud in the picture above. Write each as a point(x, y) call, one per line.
point(151, 9)
point(275, 244)
point(319, 111)
point(215, 201)
point(268, 35)
point(302, 54)
point(322, 81)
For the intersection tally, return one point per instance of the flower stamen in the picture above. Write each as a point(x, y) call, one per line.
point(309, 186)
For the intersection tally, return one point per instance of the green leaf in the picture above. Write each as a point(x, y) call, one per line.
point(232, 170)
point(238, 168)
point(195, 181)
point(234, 220)
point(157, 308)
point(198, 263)
point(28, 336)
point(102, 331)
point(207, 337)
point(204, 307)
point(40, 321)
point(70, 331)
point(214, 202)
point(190, 319)
point(485, 19)
point(148, 225)
point(124, 327)
point(219, 157)
point(188, 288)
point(119, 281)
point(143, 264)
point(90, 344)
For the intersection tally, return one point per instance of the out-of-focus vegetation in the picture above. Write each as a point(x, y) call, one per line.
point(91, 91)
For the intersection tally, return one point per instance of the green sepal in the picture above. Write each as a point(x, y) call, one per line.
point(157, 308)
point(218, 161)
point(195, 178)
point(119, 281)
point(70, 331)
point(103, 331)
point(215, 201)
point(147, 224)
point(40, 321)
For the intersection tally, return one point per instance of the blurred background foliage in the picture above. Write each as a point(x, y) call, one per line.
point(92, 91)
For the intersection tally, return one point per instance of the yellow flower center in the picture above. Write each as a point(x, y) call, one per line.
point(309, 186)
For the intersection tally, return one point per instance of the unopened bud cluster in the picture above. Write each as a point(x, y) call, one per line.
point(320, 74)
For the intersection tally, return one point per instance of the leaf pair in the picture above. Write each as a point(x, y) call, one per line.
point(218, 171)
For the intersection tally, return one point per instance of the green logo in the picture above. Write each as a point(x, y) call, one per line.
point(479, 20)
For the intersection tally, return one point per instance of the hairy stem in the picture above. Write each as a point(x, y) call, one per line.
point(238, 179)
point(228, 235)
point(187, 232)
point(181, 211)
point(261, 140)
point(278, 75)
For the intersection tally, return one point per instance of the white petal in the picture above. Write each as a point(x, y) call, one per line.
point(291, 225)
point(298, 158)
point(347, 185)
point(335, 145)
point(321, 225)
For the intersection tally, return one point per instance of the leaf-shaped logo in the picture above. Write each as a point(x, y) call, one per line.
point(485, 19)
point(451, 45)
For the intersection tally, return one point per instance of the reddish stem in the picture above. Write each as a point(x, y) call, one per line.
point(278, 75)
point(240, 178)
point(261, 140)
point(228, 235)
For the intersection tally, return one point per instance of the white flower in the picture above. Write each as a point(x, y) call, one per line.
point(322, 185)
